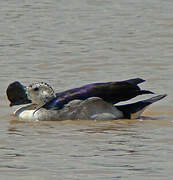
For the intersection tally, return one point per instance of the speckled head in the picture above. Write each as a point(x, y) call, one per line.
point(40, 93)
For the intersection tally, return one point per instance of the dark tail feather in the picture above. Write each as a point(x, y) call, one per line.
point(134, 110)
point(145, 92)
point(135, 81)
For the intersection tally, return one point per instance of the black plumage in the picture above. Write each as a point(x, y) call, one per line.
point(112, 92)
point(16, 94)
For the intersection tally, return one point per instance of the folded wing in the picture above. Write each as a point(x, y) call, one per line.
point(112, 92)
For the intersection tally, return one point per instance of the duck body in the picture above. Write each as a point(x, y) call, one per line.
point(93, 108)
point(111, 92)
point(93, 101)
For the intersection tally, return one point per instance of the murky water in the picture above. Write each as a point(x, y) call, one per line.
point(69, 44)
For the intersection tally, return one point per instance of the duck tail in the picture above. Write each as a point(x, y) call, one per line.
point(135, 81)
point(140, 92)
point(134, 110)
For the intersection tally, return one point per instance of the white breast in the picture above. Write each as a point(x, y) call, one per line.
point(29, 113)
point(25, 114)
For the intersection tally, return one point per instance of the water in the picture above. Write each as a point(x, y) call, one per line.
point(69, 44)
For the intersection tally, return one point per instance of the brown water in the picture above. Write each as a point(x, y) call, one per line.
point(71, 43)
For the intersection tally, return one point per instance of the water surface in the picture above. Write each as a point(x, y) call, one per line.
point(69, 44)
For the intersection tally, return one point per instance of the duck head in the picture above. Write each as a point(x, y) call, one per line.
point(40, 93)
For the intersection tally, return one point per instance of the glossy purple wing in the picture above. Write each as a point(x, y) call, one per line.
point(112, 92)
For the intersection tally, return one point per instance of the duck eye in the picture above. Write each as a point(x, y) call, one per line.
point(36, 89)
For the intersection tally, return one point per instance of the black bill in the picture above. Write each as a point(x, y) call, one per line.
point(16, 94)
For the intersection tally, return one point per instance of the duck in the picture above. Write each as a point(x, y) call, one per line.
point(95, 101)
